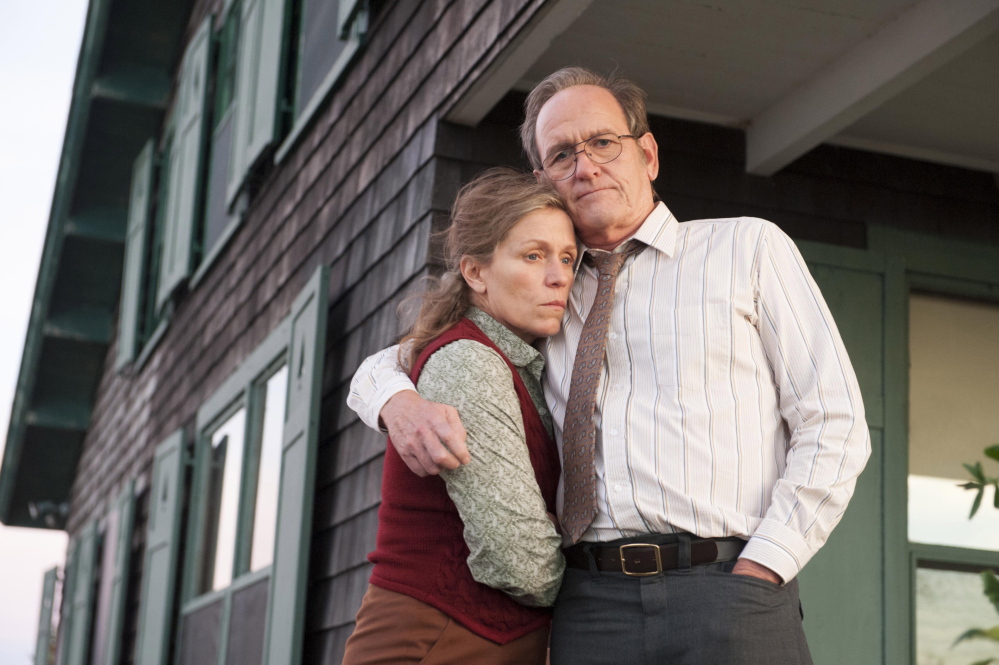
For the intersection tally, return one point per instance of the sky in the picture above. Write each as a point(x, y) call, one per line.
point(39, 45)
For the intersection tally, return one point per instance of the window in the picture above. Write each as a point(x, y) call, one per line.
point(255, 74)
point(250, 507)
point(326, 35)
point(95, 587)
point(240, 488)
point(274, 63)
point(953, 387)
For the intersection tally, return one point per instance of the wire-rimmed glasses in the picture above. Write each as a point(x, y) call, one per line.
point(601, 149)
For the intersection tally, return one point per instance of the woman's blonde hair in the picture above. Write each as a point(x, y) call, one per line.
point(482, 216)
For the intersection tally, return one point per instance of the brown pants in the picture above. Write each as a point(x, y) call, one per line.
point(394, 628)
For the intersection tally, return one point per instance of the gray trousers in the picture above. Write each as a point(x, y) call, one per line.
point(703, 615)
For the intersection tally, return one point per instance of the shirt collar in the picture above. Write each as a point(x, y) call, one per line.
point(519, 352)
point(659, 230)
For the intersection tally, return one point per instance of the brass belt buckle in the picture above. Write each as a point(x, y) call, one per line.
point(624, 566)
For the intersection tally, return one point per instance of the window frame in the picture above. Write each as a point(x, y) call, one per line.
point(300, 336)
point(916, 552)
point(301, 119)
point(965, 559)
point(243, 389)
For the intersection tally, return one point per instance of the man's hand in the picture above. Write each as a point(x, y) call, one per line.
point(753, 569)
point(428, 436)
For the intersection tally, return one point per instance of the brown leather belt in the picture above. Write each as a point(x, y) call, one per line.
point(641, 559)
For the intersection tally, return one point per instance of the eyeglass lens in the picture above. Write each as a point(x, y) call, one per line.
point(600, 150)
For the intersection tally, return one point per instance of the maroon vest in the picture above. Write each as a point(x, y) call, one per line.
point(420, 548)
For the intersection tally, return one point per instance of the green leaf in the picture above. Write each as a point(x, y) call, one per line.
point(993, 452)
point(987, 661)
point(990, 585)
point(971, 486)
point(979, 633)
point(977, 503)
point(976, 471)
point(995, 495)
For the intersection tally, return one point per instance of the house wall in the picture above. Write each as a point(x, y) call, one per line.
point(356, 193)
point(361, 193)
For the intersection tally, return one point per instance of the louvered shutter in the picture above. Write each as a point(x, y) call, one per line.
point(82, 598)
point(124, 506)
point(298, 462)
point(156, 603)
point(135, 254)
point(44, 639)
point(185, 172)
point(66, 611)
point(258, 86)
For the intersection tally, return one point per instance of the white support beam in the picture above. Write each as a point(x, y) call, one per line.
point(508, 67)
point(920, 40)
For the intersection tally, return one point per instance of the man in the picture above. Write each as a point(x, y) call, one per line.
point(710, 423)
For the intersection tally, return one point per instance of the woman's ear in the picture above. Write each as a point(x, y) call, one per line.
point(471, 270)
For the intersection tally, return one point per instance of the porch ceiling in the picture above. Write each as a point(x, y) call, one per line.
point(120, 94)
point(909, 78)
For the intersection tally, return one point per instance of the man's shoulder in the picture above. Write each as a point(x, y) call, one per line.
point(740, 223)
point(742, 228)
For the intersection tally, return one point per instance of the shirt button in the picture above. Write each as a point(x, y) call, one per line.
point(617, 488)
point(613, 432)
point(618, 387)
point(613, 335)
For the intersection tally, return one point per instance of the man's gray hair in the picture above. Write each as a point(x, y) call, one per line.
point(628, 95)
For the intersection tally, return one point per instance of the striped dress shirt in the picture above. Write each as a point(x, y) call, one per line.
point(727, 404)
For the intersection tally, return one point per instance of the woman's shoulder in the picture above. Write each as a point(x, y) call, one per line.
point(464, 366)
point(465, 355)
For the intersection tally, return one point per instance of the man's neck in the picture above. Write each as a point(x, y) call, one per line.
point(609, 244)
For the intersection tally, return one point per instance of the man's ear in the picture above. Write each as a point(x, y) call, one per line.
point(650, 149)
point(472, 272)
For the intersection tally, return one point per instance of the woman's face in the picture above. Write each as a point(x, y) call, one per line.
point(526, 282)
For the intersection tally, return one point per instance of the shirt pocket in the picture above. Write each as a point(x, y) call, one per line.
point(692, 345)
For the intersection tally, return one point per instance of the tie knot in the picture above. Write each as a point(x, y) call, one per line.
point(609, 263)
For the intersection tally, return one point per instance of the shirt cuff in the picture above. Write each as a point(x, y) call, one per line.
point(383, 394)
point(779, 548)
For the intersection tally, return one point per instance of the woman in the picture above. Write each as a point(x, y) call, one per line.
point(467, 563)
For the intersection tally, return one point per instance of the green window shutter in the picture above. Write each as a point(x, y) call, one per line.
point(185, 164)
point(66, 612)
point(124, 506)
point(82, 598)
point(135, 254)
point(258, 86)
point(346, 13)
point(162, 536)
point(286, 611)
point(43, 642)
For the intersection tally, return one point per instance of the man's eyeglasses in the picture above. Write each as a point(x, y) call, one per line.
point(601, 149)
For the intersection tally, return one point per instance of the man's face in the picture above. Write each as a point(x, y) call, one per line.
point(607, 202)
